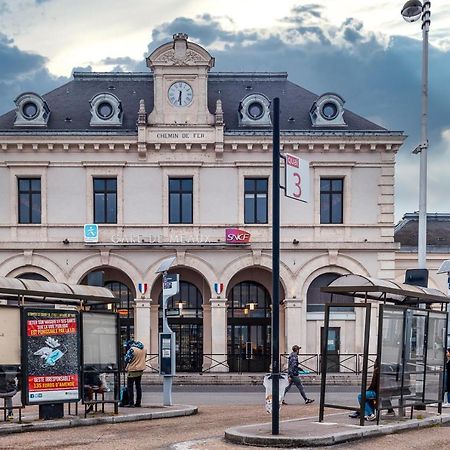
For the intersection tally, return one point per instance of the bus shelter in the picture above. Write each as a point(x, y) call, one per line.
point(53, 338)
point(412, 324)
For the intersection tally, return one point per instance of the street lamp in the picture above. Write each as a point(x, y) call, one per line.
point(412, 11)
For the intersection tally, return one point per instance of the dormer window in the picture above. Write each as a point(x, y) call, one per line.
point(328, 111)
point(106, 110)
point(31, 110)
point(254, 111)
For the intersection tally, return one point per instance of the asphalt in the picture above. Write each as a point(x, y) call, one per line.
point(337, 428)
point(31, 422)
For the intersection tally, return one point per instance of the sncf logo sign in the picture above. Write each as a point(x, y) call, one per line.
point(236, 236)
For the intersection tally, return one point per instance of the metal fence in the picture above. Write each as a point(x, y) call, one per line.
point(308, 363)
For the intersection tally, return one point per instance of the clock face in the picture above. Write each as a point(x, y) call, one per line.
point(180, 94)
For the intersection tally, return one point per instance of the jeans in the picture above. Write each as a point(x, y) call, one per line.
point(295, 379)
point(130, 382)
point(445, 388)
point(368, 409)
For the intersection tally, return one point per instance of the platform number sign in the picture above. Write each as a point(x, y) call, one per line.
point(297, 178)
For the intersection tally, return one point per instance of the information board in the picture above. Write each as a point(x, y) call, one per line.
point(50, 355)
point(100, 340)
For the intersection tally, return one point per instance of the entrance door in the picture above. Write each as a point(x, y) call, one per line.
point(333, 348)
point(249, 348)
point(189, 346)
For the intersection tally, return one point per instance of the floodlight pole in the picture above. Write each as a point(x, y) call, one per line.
point(422, 244)
point(276, 268)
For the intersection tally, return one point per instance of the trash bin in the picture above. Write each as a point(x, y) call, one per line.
point(282, 383)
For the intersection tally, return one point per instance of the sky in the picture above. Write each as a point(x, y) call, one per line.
point(361, 49)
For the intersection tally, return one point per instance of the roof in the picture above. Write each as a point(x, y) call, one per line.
point(70, 110)
point(47, 292)
point(384, 290)
point(438, 232)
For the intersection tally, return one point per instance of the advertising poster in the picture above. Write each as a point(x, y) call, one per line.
point(51, 355)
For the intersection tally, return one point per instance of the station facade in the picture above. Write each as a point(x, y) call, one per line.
point(177, 162)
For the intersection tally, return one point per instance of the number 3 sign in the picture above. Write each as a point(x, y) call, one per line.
point(297, 178)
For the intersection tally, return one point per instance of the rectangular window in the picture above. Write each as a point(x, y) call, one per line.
point(331, 200)
point(29, 200)
point(255, 200)
point(180, 200)
point(105, 200)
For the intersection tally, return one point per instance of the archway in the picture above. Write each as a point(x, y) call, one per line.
point(185, 313)
point(120, 284)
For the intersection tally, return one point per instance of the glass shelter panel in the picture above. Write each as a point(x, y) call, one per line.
point(435, 356)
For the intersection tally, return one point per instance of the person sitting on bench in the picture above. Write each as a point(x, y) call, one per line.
point(8, 388)
point(92, 384)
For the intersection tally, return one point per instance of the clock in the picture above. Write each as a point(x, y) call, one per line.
point(180, 94)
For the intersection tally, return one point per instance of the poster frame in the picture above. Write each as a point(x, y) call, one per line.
point(25, 367)
point(102, 312)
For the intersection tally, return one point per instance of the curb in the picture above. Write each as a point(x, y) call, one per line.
point(182, 410)
point(237, 435)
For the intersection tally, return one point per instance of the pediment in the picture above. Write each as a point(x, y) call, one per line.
point(180, 52)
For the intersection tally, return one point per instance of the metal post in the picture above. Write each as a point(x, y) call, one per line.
point(323, 362)
point(167, 379)
point(422, 232)
point(276, 267)
point(365, 364)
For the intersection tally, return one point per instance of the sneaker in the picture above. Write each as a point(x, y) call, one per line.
point(137, 405)
point(371, 417)
point(283, 402)
point(308, 401)
point(10, 417)
point(89, 409)
point(354, 415)
point(389, 414)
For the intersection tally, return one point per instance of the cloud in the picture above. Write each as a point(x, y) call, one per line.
point(4, 8)
point(22, 71)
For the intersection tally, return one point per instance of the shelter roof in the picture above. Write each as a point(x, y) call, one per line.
point(47, 292)
point(384, 290)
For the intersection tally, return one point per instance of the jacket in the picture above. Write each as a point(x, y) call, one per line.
point(293, 365)
point(135, 357)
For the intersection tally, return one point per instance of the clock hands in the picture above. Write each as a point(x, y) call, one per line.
point(179, 98)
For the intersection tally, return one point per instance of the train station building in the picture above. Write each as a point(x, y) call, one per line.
point(177, 162)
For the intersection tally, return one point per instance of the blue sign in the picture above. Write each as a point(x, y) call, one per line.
point(91, 232)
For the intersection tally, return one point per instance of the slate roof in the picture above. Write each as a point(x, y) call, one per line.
point(438, 232)
point(70, 110)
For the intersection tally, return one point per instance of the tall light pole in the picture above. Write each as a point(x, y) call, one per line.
point(414, 10)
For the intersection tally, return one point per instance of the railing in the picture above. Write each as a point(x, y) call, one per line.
point(338, 363)
point(308, 363)
point(152, 362)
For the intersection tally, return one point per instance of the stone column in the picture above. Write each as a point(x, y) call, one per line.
point(293, 324)
point(219, 334)
point(142, 321)
point(206, 362)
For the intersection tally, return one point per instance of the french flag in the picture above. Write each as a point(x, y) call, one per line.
point(142, 288)
point(218, 288)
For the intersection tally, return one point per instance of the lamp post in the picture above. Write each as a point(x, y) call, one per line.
point(414, 10)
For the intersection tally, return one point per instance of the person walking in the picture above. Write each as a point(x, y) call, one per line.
point(135, 361)
point(293, 376)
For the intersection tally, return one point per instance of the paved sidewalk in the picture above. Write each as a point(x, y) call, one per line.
point(337, 428)
point(31, 421)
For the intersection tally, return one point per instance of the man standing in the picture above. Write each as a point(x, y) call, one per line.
point(135, 360)
point(293, 376)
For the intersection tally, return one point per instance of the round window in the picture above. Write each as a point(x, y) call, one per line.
point(329, 110)
point(30, 110)
point(105, 110)
point(255, 110)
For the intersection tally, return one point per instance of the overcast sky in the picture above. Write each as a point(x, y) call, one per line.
point(361, 49)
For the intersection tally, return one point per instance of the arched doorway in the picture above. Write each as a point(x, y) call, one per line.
point(315, 303)
point(185, 317)
point(122, 287)
point(249, 328)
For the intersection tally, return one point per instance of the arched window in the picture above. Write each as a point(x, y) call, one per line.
point(316, 300)
point(189, 298)
point(249, 299)
point(31, 276)
point(123, 293)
